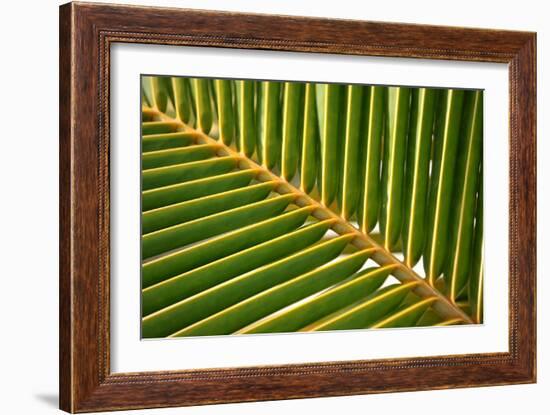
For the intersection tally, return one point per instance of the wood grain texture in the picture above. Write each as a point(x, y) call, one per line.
point(65, 246)
point(86, 33)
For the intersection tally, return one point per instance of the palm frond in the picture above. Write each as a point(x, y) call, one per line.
point(279, 207)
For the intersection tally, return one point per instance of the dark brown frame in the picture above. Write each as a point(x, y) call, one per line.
point(86, 33)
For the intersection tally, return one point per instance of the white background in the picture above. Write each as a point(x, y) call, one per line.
point(29, 208)
point(129, 354)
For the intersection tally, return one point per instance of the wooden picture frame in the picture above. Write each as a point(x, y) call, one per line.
point(86, 33)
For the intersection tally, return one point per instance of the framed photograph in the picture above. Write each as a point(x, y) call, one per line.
point(260, 207)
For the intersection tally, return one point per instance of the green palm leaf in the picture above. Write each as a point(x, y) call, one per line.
point(374, 119)
point(310, 144)
point(203, 104)
point(393, 169)
point(226, 114)
point(329, 98)
point(269, 124)
point(463, 214)
point(293, 108)
point(170, 320)
point(357, 286)
point(247, 130)
point(180, 192)
point(182, 101)
point(365, 312)
point(198, 279)
point(475, 294)
point(266, 302)
point(166, 266)
point(441, 186)
point(160, 88)
point(351, 166)
point(262, 218)
point(417, 173)
point(163, 240)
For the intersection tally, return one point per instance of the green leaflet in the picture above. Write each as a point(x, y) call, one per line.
point(168, 157)
point(372, 144)
point(475, 293)
point(144, 102)
point(178, 316)
point(186, 233)
point(441, 183)
point(245, 109)
point(350, 166)
point(146, 95)
point(233, 85)
point(310, 144)
point(163, 176)
point(258, 120)
point(203, 104)
point(158, 127)
point(299, 316)
point(464, 306)
point(202, 253)
point(269, 124)
point(251, 309)
point(364, 313)
point(293, 98)
point(180, 192)
point(166, 141)
point(430, 318)
point(214, 95)
point(161, 90)
point(226, 115)
point(406, 317)
point(417, 173)
point(393, 169)
point(182, 101)
point(196, 280)
point(328, 103)
point(164, 217)
point(470, 149)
